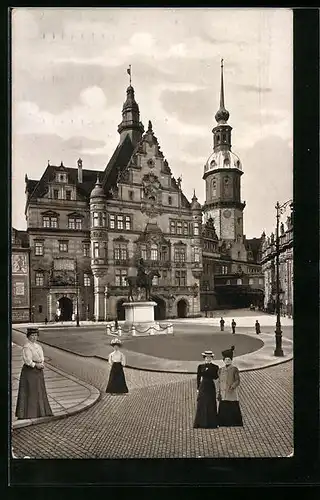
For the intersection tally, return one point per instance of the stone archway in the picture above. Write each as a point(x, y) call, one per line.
point(182, 308)
point(66, 309)
point(121, 314)
point(160, 308)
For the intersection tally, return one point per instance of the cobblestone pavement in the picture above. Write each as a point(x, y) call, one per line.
point(155, 420)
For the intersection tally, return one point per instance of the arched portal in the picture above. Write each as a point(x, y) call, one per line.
point(66, 309)
point(160, 309)
point(182, 308)
point(121, 315)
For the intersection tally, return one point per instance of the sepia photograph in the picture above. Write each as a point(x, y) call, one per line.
point(152, 233)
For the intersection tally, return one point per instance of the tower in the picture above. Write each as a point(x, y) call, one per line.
point(222, 174)
point(98, 236)
point(131, 124)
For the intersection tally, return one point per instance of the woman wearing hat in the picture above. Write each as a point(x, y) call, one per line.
point(206, 414)
point(117, 382)
point(32, 399)
point(229, 414)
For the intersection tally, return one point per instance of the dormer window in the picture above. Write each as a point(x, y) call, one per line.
point(226, 162)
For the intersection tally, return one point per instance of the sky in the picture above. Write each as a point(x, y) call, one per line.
point(69, 80)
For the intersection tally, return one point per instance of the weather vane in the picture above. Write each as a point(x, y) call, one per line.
point(129, 73)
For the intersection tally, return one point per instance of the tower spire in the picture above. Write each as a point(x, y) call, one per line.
point(222, 87)
point(222, 114)
point(129, 73)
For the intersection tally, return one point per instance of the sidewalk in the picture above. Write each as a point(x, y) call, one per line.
point(67, 395)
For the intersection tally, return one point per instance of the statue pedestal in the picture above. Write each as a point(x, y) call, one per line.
point(140, 320)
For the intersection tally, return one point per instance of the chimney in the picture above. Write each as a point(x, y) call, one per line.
point(80, 170)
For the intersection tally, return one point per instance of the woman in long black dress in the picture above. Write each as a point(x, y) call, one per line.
point(32, 399)
point(229, 414)
point(206, 414)
point(117, 382)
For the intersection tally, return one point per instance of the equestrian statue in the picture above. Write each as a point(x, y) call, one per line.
point(143, 280)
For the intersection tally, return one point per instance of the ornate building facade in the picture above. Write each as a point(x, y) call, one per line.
point(21, 308)
point(87, 229)
point(268, 260)
point(232, 274)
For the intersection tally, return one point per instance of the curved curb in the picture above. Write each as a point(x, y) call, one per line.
point(94, 397)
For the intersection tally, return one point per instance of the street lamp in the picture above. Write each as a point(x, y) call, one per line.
point(77, 291)
point(278, 350)
point(206, 287)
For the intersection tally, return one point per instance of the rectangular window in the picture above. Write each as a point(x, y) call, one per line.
point(123, 252)
point(120, 222)
point(154, 253)
point(196, 255)
point(116, 253)
point(38, 248)
point(260, 281)
point(86, 249)
point(164, 274)
point(55, 194)
point(96, 250)
point(54, 222)
point(196, 228)
point(78, 223)
point(131, 194)
point(72, 224)
point(144, 252)
point(63, 246)
point(185, 228)
point(39, 279)
point(179, 254)
point(179, 227)
point(170, 200)
point(95, 218)
point(164, 254)
point(86, 279)
point(121, 275)
point(46, 221)
point(251, 281)
point(112, 223)
point(172, 227)
point(128, 222)
point(180, 278)
point(239, 281)
point(68, 195)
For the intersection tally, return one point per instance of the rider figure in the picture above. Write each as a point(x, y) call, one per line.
point(141, 269)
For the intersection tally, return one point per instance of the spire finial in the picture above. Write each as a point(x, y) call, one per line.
point(222, 87)
point(129, 73)
point(98, 179)
point(149, 126)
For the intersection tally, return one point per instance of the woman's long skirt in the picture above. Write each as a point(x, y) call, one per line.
point(206, 414)
point(117, 382)
point(229, 414)
point(32, 399)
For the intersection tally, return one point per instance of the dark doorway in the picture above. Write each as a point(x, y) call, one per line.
point(182, 308)
point(121, 315)
point(66, 309)
point(160, 309)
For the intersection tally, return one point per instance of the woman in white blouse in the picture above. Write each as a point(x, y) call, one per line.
point(32, 399)
point(117, 382)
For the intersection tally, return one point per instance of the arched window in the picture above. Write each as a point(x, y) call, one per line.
point(214, 188)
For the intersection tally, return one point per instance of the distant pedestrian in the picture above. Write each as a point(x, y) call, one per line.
point(117, 382)
point(229, 413)
point(257, 326)
point(206, 414)
point(32, 399)
point(46, 320)
point(233, 326)
point(222, 322)
point(116, 325)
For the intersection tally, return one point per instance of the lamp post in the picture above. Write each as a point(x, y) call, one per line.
point(206, 287)
point(278, 350)
point(77, 291)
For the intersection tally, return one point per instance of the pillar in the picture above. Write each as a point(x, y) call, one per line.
point(99, 299)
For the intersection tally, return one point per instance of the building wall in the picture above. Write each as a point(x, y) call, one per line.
point(20, 285)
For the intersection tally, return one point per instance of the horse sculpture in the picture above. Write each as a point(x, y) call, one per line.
point(142, 281)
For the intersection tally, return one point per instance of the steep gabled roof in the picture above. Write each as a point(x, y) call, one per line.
point(36, 189)
point(117, 163)
point(21, 238)
point(254, 244)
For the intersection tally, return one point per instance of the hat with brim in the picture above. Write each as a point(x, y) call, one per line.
point(116, 342)
point(207, 354)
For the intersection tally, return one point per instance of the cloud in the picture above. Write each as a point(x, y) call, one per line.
point(253, 88)
point(93, 97)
